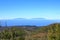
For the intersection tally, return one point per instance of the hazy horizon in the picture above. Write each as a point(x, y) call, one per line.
point(10, 9)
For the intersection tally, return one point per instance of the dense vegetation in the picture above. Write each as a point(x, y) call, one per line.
point(50, 32)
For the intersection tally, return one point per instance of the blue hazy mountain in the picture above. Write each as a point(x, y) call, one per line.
point(22, 21)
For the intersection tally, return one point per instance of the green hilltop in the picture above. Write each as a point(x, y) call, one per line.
point(49, 32)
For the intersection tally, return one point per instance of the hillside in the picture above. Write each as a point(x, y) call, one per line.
point(49, 32)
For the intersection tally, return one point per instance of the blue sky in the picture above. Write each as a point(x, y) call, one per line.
point(10, 9)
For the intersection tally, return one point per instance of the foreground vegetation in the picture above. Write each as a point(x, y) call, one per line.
point(50, 32)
